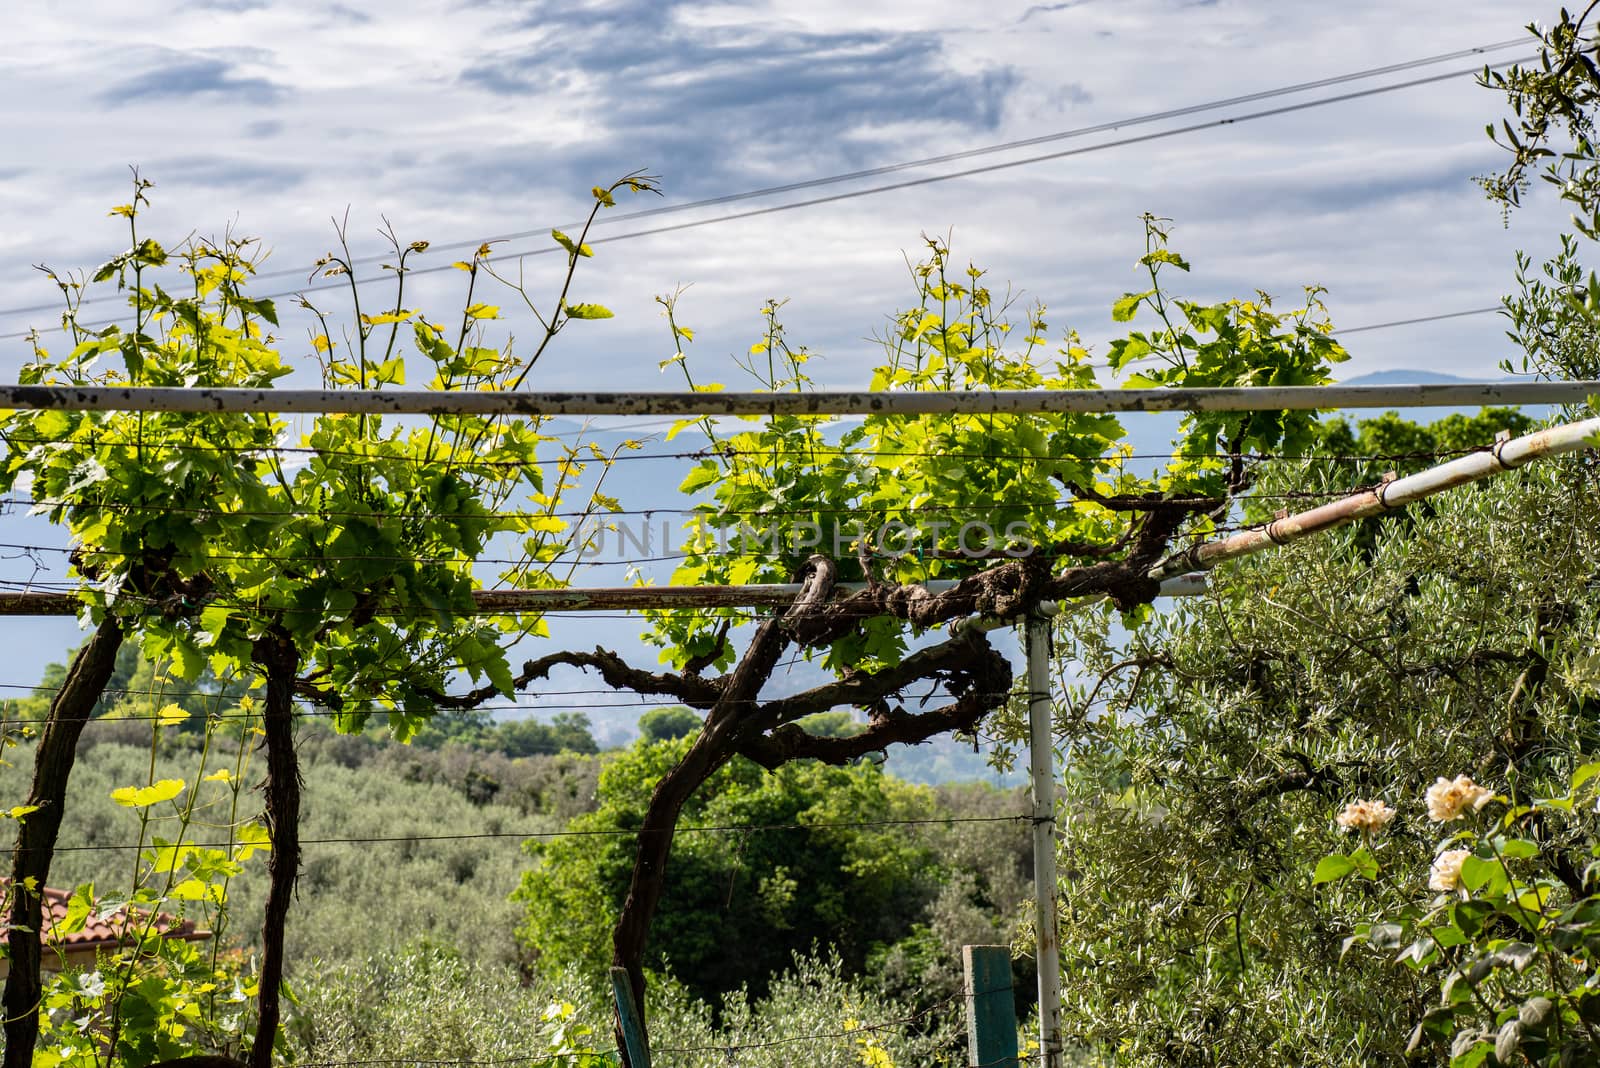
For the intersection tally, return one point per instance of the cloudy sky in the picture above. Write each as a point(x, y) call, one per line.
point(459, 120)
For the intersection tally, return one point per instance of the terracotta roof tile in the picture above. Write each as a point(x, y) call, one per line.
point(104, 931)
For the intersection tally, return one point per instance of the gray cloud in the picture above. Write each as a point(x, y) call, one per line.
point(189, 75)
point(263, 128)
point(346, 13)
point(1050, 9)
point(229, 172)
point(1070, 94)
point(696, 101)
point(1339, 190)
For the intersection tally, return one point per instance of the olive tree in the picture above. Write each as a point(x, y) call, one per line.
point(1211, 753)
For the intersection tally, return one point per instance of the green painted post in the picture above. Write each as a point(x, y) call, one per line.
point(991, 1007)
point(633, 1036)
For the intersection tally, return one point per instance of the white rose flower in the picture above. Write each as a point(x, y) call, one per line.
point(1446, 871)
point(1368, 816)
point(1449, 799)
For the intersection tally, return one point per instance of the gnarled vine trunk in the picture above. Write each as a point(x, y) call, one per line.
point(726, 725)
point(278, 655)
point(738, 723)
point(37, 831)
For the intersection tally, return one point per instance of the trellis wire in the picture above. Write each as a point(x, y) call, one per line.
point(597, 833)
point(815, 403)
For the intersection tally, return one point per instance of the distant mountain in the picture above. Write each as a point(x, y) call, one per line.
point(1413, 377)
point(1404, 377)
point(1151, 433)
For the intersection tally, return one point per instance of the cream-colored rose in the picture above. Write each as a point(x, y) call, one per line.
point(1449, 799)
point(1368, 816)
point(1446, 871)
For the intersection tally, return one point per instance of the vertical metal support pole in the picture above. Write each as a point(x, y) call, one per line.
point(1042, 775)
point(991, 1007)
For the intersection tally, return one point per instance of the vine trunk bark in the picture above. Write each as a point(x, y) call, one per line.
point(656, 832)
point(727, 726)
point(281, 660)
point(70, 709)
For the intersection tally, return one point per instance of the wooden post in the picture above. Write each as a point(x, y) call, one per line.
point(636, 1044)
point(991, 1007)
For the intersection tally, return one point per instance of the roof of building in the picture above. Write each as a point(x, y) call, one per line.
point(104, 930)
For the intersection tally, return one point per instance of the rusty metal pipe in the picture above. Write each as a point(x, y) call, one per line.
point(1506, 455)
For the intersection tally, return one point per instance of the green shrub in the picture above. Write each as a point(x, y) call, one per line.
point(738, 906)
point(430, 1005)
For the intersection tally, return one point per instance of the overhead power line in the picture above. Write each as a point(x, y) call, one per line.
point(1415, 321)
point(888, 188)
point(926, 161)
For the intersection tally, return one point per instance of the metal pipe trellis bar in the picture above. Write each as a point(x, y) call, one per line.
point(822, 402)
point(1508, 454)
